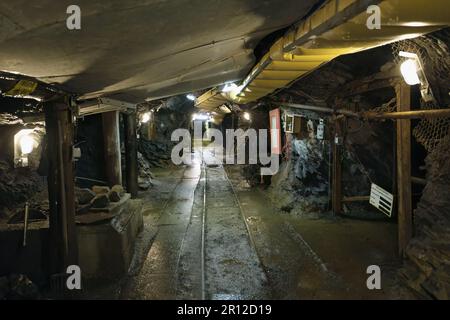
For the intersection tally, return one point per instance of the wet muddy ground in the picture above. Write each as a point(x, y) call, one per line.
point(191, 251)
point(323, 258)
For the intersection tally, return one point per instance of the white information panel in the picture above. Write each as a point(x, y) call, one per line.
point(382, 200)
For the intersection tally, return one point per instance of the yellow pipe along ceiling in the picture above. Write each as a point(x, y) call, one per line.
point(337, 28)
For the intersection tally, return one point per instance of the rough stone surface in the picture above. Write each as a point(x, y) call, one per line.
point(114, 196)
point(301, 186)
point(18, 287)
point(118, 189)
point(17, 185)
point(84, 196)
point(101, 190)
point(145, 174)
point(157, 154)
point(427, 268)
point(100, 201)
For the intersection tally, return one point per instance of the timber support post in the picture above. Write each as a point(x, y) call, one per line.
point(59, 122)
point(113, 155)
point(131, 151)
point(404, 182)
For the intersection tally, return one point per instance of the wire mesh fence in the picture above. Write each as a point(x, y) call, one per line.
point(428, 132)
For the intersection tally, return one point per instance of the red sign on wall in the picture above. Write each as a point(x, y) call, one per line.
point(275, 131)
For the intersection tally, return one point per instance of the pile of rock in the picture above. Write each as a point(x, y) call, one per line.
point(145, 174)
point(17, 185)
point(157, 154)
point(99, 197)
point(301, 185)
point(427, 268)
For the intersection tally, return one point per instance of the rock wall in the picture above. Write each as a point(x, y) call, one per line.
point(427, 265)
point(302, 185)
point(17, 185)
point(167, 116)
point(426, 269)
point(157, 154)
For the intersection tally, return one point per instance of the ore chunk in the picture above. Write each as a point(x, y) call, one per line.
point(84, 196)
point(100, 201)
point(114, 196)
point(100, 190)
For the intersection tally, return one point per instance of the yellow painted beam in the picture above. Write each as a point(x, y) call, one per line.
point(270, 83)
point(279, 75)
point(293, 66)
point(340, 34)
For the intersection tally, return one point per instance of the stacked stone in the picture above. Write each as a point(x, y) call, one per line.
point(99, 197)
point(157, 154)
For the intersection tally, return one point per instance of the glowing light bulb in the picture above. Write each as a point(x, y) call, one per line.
point(409, 72)
point(26, 144)
point(146, 117)
point(191, 97)
point(229, 87)
point(247, 116)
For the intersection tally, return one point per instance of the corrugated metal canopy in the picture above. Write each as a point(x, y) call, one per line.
point(211, 100)
point(338, 27)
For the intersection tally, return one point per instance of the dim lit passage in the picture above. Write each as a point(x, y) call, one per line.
point(232, 151)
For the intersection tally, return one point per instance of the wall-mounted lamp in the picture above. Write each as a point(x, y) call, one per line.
point(146, 117)
point(413, 73)
point(409, 72)
point(25, 141)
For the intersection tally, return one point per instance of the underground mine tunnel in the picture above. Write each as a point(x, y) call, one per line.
point(225, 150)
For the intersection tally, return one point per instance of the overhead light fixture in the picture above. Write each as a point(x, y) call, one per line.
point(247, 116)
point(191, 97)
point(232, 90)
point(416, 24)
point(229, 87)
